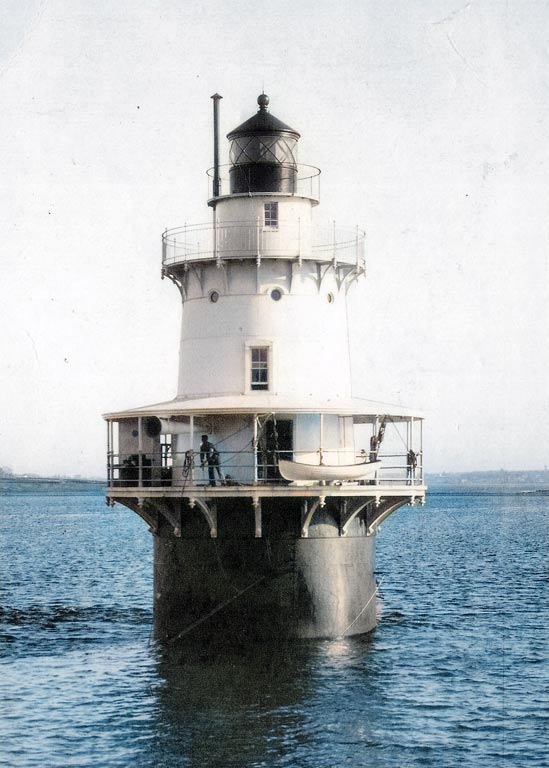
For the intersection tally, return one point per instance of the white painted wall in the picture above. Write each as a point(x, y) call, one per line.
point(337, 439)
point(250, 208)
point(241, 230)
point(310, 354)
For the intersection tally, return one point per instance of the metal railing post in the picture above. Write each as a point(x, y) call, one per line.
point(109, 455)
point(421, 449)
point(191, 447)
point(321, 439)
point(140, 451)
point(254, 448)
point(216, 241)
point(258, 237)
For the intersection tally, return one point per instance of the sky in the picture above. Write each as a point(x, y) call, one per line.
point(429, 121)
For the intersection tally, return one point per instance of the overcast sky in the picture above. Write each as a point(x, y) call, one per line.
point(429, 121)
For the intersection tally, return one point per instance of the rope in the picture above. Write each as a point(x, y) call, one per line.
point(219, 560)
point(224, 459)
point(398, 432)
point(215, 610)
point(227, 457)
point(375, 592)
point(245, 426)
point(187, 468)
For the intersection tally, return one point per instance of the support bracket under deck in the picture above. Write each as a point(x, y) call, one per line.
point(209, 512)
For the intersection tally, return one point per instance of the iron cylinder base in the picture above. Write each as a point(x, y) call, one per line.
point(240, 587)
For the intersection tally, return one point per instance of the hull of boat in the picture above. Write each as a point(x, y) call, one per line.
point(296, 472)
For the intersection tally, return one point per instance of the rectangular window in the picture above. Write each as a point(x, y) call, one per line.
point(271, 215)
point(260, 367)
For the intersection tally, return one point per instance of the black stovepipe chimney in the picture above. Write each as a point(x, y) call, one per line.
point(216, 99)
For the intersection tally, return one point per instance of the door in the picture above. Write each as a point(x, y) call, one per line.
point(275, 442)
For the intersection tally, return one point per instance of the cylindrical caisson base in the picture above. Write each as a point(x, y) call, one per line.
point(278, 586)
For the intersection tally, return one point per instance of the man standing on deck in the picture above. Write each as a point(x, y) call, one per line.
point(411, 460)
point(210, 454)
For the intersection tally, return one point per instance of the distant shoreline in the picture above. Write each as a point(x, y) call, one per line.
point(51, 480)
point(493, 477)
point(528, 482)
point(13, 485)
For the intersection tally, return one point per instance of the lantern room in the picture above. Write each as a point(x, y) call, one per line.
point(263, 154)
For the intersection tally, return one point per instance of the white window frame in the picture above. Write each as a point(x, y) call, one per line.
point(258, 344)
point(271, 219)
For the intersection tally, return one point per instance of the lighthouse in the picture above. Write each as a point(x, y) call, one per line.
point(265, 480)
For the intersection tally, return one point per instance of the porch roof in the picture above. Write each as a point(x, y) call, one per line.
point(361, 409)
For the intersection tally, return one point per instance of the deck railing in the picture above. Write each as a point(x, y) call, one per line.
point(303, 180)
point(245, 468)
point(250, 239)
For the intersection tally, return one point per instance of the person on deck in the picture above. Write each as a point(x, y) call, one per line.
point(376, 440)
point(210, 454)
point(411, 460)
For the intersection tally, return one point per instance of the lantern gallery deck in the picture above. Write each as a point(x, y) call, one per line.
point(261, 239)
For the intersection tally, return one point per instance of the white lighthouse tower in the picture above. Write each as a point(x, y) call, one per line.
point(264, 481)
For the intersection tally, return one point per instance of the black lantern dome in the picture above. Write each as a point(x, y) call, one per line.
point(263, 153)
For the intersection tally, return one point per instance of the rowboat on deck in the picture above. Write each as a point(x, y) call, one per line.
point(328, 473)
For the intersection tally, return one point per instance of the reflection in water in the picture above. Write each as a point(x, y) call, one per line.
point(234, 706)
point(262, 704)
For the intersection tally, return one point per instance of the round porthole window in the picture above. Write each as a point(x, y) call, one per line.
point(330, 298)
point(276, 295)
point(214, 296)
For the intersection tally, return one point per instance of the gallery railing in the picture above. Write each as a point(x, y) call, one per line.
point(245, 468)
point(299, 179)
point(250, 239)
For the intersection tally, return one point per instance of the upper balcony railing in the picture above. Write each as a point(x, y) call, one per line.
point(303, 180)
point(246, 469)
point(250, 239)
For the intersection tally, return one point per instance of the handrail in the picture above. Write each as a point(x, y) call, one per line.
point(307, 180)
point(242, 239)
point(242, 468)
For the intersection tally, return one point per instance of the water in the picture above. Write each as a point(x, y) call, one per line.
point(455, 675)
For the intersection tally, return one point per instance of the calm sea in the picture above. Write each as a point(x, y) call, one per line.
point(455, 674)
